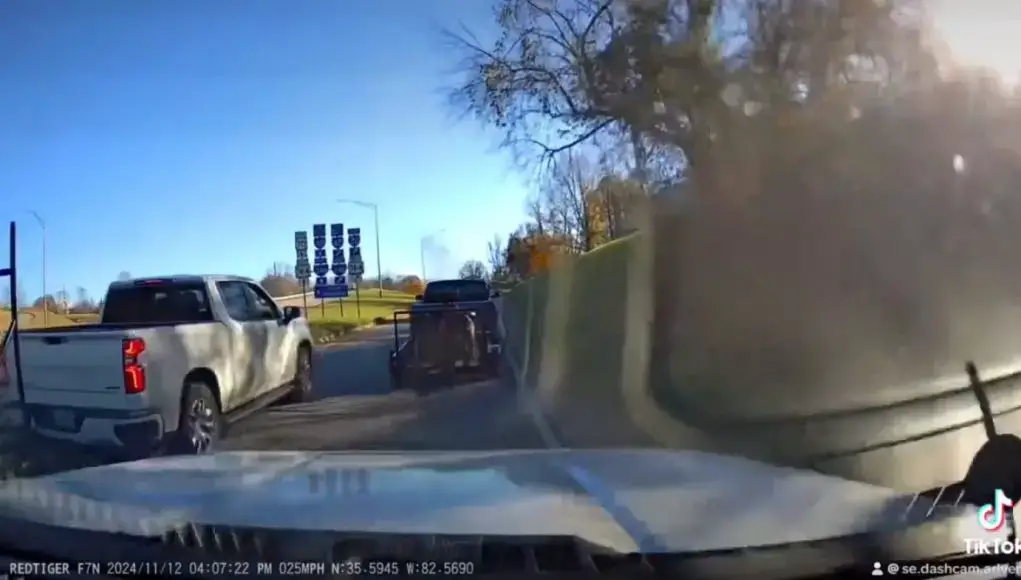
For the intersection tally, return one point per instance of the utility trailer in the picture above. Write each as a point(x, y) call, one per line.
point(448, 343)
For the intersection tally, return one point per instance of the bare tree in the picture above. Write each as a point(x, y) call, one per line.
point(564, 73)
point(124, 275)
point(82, 303)
point(570, 188)
point(535, 209)
point(473, 270)
point(280, 281)
point(22, 295)
point(681, 82)
point(281, 269)
point(61, 301)
point(5, 296)
point(496, 255)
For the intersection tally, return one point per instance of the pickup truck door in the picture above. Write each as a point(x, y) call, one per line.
point(274, 333)
point(247, 346)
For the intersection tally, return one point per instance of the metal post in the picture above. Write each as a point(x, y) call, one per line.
point(379, 262)
point(42, 225)
point(304, 297)
point(14, 340)
point(358, 302)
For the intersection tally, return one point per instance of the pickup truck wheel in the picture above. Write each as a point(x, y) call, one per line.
point(302, 382)
point(201, 423)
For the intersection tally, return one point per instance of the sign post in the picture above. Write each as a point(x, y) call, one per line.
point(320, 267)
point(339, 266)
point(355, 266)
point(302, 270)
point(323, 288)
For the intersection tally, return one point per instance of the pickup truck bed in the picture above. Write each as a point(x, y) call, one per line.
point(93, 326)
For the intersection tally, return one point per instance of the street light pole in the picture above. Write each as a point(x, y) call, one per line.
point(375, 223)
point(42, 225)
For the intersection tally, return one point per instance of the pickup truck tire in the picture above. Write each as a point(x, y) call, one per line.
point(301, 384)
point(201, 424)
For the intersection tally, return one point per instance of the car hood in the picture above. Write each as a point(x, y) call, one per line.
point(647, 501)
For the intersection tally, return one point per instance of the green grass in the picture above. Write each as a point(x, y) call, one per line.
point(330, 322)
point(33, 318)
point(83, 318)
point(364, 311)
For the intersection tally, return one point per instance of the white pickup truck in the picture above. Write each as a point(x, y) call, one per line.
point(170, 362)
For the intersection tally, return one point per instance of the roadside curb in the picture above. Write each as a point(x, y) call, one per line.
point(347, 337)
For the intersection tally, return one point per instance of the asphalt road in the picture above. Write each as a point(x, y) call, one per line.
point(353, 408)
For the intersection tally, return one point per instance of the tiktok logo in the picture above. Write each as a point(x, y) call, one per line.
point(992, 516)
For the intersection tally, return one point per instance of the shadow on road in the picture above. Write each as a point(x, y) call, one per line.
point(483, 415)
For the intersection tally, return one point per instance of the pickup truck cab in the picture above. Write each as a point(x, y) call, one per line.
point(170, 361)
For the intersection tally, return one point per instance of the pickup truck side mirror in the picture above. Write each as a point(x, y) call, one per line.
point(418, 297)
point(494, 294)
point(291, 313)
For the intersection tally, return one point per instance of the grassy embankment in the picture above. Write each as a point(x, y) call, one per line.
point(332, 322)
point(33, 318)
point(329, 324)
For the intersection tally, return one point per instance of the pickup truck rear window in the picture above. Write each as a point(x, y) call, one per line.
point(157, 304)
point(456, 291)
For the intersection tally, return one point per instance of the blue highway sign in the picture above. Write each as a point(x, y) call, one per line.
point(331, 291)
point(339, 269)
point(354, 236)
point(337, 235)
point(319, 235)
point(354, 254)
point(320, 268)
point(321, 281)
point(301, 266)
point(338, 255)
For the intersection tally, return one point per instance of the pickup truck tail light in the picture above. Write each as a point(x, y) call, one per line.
point(134, 373)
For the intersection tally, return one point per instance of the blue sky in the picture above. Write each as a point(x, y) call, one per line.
point(195, 136)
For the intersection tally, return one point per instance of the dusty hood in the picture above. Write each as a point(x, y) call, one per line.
point(649, 501)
